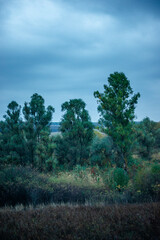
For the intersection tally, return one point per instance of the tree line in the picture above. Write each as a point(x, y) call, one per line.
point(27, 140)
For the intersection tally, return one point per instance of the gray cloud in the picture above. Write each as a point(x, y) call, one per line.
point(67, 49)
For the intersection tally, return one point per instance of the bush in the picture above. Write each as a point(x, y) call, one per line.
point(145, 134)
point(155, 170)
point(101, 152)
point(23, 185)
point(147, 181)
point(135, 162)
point(134, 165)
point(116, 178)
point(19, 185)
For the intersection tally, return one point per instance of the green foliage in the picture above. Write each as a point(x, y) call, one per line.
point(146, 134)
point(155, 170)
point(37, 120)
point(44, 152)
point(147, 181)
point(117, 178)
point(101, 152)
point(80, 171)
point(157, 135)
point(23, 185)
point(77, 133)
point(27, 176)
point(135, 162)
point(134, 165)
point(27, 142)
point(117, 108)
point(92, 185)
point(11, 137)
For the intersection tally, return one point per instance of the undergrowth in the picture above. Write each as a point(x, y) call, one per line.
point(19, 185)
point(130, 221)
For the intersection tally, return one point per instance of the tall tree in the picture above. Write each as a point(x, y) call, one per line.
point(77, 134)
point(37, 119)
point(11, 138)
point(117, 110)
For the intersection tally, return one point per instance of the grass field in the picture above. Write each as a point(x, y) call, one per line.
point(130, 221)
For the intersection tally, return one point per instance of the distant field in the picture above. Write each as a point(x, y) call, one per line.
point(55, 133)
point(54, 126)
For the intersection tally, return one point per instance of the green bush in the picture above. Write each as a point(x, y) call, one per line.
point(116, 178)
point(135, 162)
point(101, 153)
point(147, 181)
point(134, 165)
point(23, 185)
point(155, 169)
point(145, 134)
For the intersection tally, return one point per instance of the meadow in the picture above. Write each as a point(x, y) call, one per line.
point(130, 221)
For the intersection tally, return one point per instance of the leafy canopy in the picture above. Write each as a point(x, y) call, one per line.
point(146, 135)
point(77, 133)
point(37, 119)
point(117, 110)
point(11, 138)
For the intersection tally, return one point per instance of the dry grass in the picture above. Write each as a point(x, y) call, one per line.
point(136, 221)
point(99, 133)
point(156, 157)
point(82, 178)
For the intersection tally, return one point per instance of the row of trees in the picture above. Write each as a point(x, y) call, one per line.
point(25, 142)
point(28, 141)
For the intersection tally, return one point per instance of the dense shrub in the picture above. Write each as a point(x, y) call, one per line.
point(147, 181)
point(101, 152)
point(134, 165)
point(19, 185)
point(145, 133)
point(116, 178)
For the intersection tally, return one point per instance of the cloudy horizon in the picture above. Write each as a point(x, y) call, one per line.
point(67, 49)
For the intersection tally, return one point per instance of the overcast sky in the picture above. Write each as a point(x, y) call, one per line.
point(65, 49)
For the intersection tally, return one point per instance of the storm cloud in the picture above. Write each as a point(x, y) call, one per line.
point(67, 49)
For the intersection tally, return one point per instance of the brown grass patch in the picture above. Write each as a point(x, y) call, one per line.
point(131, 221)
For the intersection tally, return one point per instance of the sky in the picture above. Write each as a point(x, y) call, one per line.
point(66, 49)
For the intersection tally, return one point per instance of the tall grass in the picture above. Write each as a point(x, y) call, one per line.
point(136, 221)
point(79, 176)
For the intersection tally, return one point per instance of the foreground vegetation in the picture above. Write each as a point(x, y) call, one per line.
point(91, 185)
point(134, 221)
